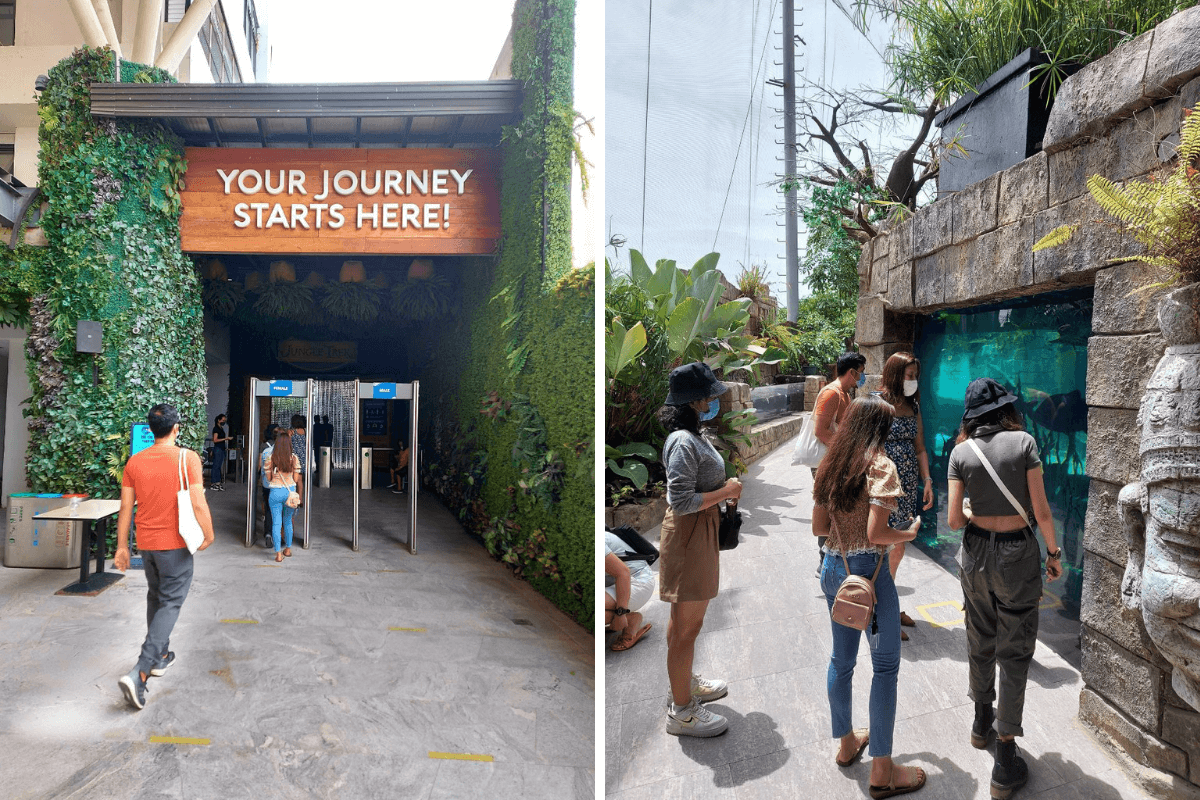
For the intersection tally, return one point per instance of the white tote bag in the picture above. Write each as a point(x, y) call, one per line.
point(809, 449)
point(189, 528)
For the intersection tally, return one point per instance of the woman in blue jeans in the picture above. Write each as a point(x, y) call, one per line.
point(282, 469)
point(856, 489)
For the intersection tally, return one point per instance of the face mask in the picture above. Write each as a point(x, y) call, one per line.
point(862, 378)
point(714, 406)
point(910, 388)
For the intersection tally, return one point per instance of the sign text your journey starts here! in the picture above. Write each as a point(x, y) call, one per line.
point(317, 213)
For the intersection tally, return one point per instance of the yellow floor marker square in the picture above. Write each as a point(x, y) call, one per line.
point(460, 756)
point(411, 630)
point(959, 619)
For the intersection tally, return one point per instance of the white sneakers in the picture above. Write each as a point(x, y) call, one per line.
point(694, 719)
point(708, 689)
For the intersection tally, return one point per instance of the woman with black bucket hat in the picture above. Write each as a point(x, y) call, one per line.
point(689, 561)
point(996, 464)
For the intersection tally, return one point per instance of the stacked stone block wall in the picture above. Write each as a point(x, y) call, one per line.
point(1119, 117)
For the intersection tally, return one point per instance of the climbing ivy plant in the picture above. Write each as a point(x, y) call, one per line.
point(112, 227)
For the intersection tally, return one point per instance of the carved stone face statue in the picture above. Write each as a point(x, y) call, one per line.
point(1161, 514)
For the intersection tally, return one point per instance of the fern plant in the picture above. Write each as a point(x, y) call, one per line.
point(222, 297)
point(354, 302)
point(421, 299)
point(285, 300)
point(1162, 214)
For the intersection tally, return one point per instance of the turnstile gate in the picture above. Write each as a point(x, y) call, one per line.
point(304, 389)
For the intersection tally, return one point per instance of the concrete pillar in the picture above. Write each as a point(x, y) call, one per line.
point(175, 49)
point(25, 155)
point(149, 21)
point(104, 14)
point(89, 23)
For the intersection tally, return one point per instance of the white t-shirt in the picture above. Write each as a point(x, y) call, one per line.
point(638, 570)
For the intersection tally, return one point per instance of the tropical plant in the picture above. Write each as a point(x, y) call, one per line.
point(752, 282)
point(1162, 214)
point(222, 297)
point(351, 301)
point(945, 48)
point(421, 299)
point(284, 299)
point(626, 461)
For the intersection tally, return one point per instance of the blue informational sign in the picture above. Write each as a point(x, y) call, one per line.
point(281, 389)
point(384, 391)
point(140, 438)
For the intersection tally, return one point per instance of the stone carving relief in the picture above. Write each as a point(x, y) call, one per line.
point(1161, 514)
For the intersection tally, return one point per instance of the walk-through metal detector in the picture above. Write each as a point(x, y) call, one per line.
point(254, 447)
point(304, 389)
point(390, 391)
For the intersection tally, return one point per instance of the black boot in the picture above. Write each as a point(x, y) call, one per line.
point(982, 727)
point(1010, 771)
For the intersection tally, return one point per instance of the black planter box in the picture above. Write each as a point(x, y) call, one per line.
point(999, 124)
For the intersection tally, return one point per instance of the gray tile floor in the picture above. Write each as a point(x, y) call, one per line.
point(768, 633)
point(315, 698)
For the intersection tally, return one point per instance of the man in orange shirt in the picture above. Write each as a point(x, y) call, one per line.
point(152, 480)
point(829, 409)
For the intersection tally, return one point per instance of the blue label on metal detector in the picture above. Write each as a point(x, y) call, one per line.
point(140, 438)
point(281, 388)
point(384, 391)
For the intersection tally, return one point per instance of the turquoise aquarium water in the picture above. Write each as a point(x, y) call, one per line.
point(1037, 348)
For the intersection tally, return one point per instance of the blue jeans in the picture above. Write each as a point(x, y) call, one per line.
point(885, 651)
point(281, 516)
point(218, 461)
point(168, 578)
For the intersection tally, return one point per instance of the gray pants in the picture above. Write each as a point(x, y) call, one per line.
point(168, 576)
point(1002, 587)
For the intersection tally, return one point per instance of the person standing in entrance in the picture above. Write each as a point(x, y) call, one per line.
point(829, 411)
point(996, 464)
point(299, 444)
point(219, 441)
point(152, 481)
point(280, 472)
point(689, 566)
point(269, 440)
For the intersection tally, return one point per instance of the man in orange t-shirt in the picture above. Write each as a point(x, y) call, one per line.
point(830, 408)
point(152, 480)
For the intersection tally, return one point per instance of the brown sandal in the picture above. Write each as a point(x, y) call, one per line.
point(891, 790)
point(907, 621)
point(862, 745)
point(279, 556)
point(287, 551)
point(626, 641)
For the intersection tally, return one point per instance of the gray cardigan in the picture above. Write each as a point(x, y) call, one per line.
point(693, 467)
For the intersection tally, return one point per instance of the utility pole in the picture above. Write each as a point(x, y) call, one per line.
point(791, 235)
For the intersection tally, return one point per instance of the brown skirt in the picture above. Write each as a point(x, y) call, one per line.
point(689, 566)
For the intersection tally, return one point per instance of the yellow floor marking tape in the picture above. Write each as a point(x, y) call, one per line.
point(267, 565)
point(956, 605)
point(392, 570)
point(1050, 600)
point(460, 756)
point(414, 630)
point(177, 740)
point(347, 573)
point(241, 621)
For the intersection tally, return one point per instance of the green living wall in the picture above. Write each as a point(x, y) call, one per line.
point(513, 419)
point(112, 227)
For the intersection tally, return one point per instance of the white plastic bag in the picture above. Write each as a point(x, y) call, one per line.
point(809, 450)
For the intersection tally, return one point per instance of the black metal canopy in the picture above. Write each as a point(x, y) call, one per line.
point(376, 115)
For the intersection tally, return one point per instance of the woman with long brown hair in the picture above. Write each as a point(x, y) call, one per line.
point(857, 489)
point(906, 448)
point(282, 469)
point(996, 463)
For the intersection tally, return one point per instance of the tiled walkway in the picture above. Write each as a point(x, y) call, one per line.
point(768, 633)
point(313, 695)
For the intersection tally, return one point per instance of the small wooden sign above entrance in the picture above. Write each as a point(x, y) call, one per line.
point(412, 201)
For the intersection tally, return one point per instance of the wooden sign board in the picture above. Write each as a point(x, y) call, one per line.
point(411, 201)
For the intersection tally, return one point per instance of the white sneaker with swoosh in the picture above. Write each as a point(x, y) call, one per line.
point(695, 720)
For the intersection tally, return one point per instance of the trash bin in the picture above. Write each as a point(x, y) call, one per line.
point(324, 466)
point(40, 543)
point(364, 469)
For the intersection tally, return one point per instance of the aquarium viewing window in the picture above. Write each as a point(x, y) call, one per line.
point(1037, 348)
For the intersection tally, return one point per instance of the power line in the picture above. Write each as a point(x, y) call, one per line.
point(646, 123)
point(742, 136)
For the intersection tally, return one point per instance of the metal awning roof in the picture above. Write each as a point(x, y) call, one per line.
point(444, 114)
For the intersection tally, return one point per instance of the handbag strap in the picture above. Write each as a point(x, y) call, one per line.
point(1004, 489)
point(184, 485)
